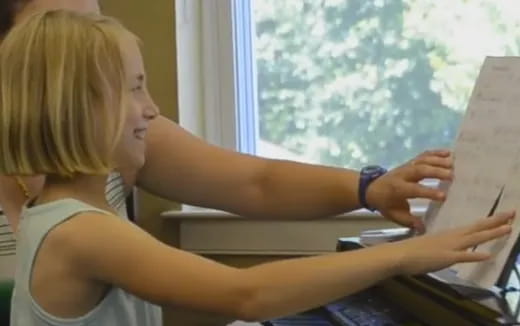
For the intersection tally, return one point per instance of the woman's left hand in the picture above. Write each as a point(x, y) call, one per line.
point(389, 193)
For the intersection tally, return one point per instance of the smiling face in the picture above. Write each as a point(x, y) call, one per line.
point(78, 107)
point(130, 151)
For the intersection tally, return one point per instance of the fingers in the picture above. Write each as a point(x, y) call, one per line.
point(471, 256)
point(415, 190)
point(437, 164)
point(408, 220)
point(442, 152)
point(434, 160)
point(418, 226)
point(491, 222)
point(488, 229)
point(477, 238)
point(423, 171)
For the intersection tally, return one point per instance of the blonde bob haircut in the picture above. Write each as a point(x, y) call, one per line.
point(62, 94)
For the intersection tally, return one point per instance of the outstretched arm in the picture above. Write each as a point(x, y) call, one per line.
point(173, 277)
point(180, 166)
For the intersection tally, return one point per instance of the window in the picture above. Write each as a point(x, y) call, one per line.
point(347, 82)
point(337, 82)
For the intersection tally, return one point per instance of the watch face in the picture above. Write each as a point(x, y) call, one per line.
point(373, 169)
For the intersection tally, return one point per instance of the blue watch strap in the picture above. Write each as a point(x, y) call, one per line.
point(362, 193)
point(368, 175)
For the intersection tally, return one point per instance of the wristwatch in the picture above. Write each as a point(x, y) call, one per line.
point(367, 175)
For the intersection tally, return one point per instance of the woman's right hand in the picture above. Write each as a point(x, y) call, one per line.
point(428, 253)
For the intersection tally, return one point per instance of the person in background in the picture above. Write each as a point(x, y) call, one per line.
point(186, 169)
point(74, 106)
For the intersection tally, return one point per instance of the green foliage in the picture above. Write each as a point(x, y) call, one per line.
point(349, 83)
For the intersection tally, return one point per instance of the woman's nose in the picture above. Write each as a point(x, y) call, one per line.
point(151, 110)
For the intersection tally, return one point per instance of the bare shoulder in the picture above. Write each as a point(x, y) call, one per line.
point(105, 248)
point(96, 242)
point(88, 230)
point(59, 281)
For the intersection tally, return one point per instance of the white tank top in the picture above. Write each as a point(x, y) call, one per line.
point(118, 308)
point(115, 195)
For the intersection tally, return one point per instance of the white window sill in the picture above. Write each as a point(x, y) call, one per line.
point(217, 232)
point(209, 214)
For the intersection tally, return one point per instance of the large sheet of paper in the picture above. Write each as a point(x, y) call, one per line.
point(486, 273)
point(486, 151)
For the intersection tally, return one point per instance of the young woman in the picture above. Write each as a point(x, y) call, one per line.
point(73, 107)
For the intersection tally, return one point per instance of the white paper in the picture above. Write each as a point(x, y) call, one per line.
point(486, 150)
point(486, 274)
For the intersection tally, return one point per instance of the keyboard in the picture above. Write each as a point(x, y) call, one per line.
point(306, 319)
point(368, 308)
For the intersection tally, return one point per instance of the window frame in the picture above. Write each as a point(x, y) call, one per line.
point(206, 70)
point(211, 107)
point(214, 60)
